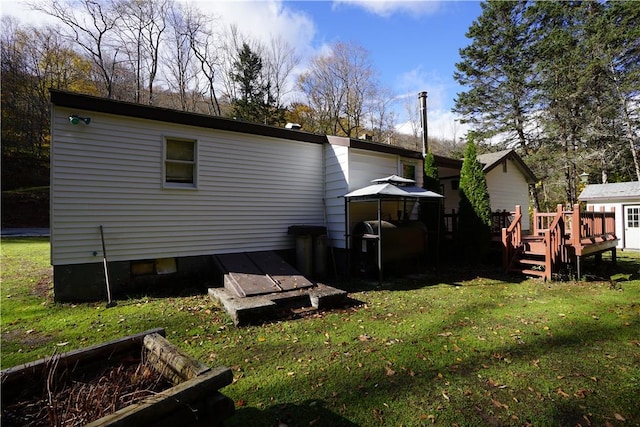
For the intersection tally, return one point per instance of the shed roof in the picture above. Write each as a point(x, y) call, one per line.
point(491, 160)
point(612, 191)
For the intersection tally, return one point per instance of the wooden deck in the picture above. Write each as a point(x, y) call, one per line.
point(558, 238)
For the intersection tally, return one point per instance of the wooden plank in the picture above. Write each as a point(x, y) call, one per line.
point(173, 363)
point(246, 275)
point(287, 277)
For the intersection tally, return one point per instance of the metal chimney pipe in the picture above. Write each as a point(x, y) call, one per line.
point(422, 96)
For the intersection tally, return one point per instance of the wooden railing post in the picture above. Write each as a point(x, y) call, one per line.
point(511, 237)
point(611, 222)
point(576, 226)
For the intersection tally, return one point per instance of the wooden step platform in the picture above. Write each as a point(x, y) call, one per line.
point(259, 273)
point(259, 286)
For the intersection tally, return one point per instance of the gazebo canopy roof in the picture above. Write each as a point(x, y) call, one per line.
point(393, 179)
point(389, 190)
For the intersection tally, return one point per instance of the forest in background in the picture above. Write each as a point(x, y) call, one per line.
point(557, 81)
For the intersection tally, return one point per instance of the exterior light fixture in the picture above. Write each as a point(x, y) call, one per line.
point(584, 177)
point(75, 119)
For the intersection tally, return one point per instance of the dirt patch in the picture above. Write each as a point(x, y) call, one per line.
point(44, 288)
point(77, 399)
point(29, 338)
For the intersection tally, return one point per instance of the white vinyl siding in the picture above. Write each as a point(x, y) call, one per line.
point(508, 189)
point(336, 186)
point(348, 169)
point(250, 189)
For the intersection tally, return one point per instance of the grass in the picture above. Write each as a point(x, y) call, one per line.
point(443, 350)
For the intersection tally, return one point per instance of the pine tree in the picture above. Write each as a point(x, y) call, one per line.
point(474, 214)
point(254, 103)
point(497, 69)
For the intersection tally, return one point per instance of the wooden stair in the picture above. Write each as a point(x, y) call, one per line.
point(530, 258)
point(558, 238)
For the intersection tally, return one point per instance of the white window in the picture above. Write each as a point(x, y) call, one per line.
point(180, 163)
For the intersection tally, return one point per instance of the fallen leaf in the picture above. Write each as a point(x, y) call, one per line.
point(61, 344)
point(562, 393)
point(445, 334)
point(390, 372)
point(240, 403)
point(499, 404)
point(619, 417)
point(444, 394)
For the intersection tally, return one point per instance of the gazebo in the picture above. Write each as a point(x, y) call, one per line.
point(388, 188)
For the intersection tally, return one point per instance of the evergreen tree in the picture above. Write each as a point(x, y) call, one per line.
point(255, 102)
point(430, 212)
point(474, 213)
point(431, 181)
point(497, 69)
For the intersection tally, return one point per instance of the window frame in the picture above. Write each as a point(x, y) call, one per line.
point(409, 164)
point(165, 161)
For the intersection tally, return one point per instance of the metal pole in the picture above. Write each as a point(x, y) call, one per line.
point(380, 241)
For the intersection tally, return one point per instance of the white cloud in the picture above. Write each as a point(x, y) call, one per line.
point(21, 10)
point(263, 20)
point(442, 122)
point(386, 8)
point(441, 125)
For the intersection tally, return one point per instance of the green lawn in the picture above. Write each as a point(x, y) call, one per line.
point(443, 350)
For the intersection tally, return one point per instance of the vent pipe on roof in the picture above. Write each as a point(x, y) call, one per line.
point(422, 96)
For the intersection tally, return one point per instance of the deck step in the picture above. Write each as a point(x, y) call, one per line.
point(537, 273)
point(529, 261)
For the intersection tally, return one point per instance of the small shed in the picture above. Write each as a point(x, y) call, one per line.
point(508, 181)
point(624, 197)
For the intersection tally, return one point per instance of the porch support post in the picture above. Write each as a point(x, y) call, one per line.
point(347, 236)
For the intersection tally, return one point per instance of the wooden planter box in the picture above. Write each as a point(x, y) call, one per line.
point(194, 400)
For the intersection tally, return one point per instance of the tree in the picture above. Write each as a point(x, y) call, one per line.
point(342, 89)
point(279, 60)
point(430, 211)
point(141, 30)
point(254, 101)
point(474, 213)
point(622, 41)
point(92, 26)
point(251, 91)
point(33, 60)
point(560, 81)
point(497, 68)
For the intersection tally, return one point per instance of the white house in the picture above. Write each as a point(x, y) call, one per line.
point(624, 197)
point(172, 188)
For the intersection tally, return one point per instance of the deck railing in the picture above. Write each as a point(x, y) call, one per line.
point(594, 227)
point(512, 237)
point(587, 232)
point(554, 240)
point(499, 220)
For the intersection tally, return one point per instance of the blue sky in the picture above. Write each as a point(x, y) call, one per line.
point(413, 44)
